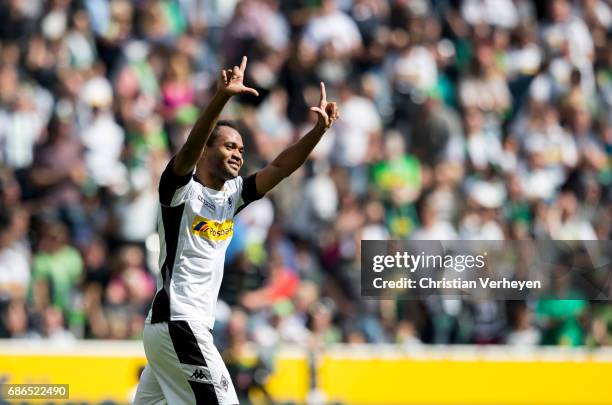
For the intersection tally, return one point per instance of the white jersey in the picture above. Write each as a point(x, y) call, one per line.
point(195, 226)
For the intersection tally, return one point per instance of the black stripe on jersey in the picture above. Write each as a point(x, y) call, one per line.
point(171, 219)
point(188, 352)
point(170, 182)
point(249, 192)
point(161, 307)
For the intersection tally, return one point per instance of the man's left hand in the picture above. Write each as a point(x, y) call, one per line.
point(327, 112)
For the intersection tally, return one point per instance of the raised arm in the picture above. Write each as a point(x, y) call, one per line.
point(230, 83)
point(295, 155)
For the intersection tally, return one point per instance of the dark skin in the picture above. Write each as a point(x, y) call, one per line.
point(221, 161)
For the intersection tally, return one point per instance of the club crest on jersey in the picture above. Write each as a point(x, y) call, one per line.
point(224, 383)
point(212, 230)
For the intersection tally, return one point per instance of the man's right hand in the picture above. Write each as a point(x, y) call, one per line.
point(231, 81)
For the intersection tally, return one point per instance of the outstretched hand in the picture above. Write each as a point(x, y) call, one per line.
point(231, 80)
point(327, 112)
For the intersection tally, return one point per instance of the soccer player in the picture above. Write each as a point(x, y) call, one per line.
point(200, 191)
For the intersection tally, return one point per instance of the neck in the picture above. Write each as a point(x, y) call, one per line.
point(208, 180)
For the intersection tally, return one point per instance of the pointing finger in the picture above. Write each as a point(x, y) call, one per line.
point(323, 95)
point(243, 63)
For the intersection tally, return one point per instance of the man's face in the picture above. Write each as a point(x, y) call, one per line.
point(224, 156)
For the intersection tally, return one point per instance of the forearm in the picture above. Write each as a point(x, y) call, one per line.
point(191, 151)
point(206, 122)
point(295, 155)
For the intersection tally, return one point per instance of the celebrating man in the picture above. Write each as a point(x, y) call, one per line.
point(200, 191)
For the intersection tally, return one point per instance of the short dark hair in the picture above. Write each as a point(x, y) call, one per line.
point(215, 132)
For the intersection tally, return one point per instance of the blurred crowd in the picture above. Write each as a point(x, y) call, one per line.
point(473, 119)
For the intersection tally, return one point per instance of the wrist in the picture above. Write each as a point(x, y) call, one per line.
point(223, 94)
point(319, 129)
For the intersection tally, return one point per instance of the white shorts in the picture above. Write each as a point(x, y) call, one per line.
point(184, 367)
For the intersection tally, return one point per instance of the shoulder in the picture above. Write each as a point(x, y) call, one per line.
point(247, 191)
point(174, 187)
point(168, 174)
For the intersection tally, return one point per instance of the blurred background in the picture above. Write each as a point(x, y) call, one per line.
point(461, 119)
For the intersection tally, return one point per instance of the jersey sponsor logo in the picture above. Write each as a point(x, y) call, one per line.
point(206, 203)
point(212, 230)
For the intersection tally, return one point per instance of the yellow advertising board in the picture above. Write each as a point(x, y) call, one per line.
point(499, 376)
point(351, 375)
point(109, 371)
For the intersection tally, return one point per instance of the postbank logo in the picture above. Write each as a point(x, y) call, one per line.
point(212, 230)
